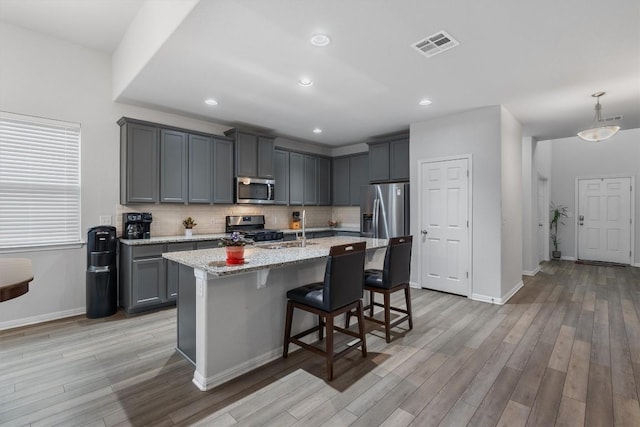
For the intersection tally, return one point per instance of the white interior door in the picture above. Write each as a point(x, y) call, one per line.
point(444, 215)
point(604, 219)
point(543, 220)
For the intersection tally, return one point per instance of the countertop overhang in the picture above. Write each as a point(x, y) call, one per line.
point(257, 257)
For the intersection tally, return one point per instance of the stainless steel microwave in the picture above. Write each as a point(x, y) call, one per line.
point(255, 190)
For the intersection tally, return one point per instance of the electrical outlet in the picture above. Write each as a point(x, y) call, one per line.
point(105, 219)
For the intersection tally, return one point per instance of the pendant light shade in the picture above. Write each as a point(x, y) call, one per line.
point(600, 131)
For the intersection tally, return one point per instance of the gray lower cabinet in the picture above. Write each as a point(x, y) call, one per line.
point(348, 233)
point(139, 157)
point(281, 174)
point(148, 281)
point(174, 166)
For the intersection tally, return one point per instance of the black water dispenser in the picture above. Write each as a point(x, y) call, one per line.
point(102, 274)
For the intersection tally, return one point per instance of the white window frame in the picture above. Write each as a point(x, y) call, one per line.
point(40, 183)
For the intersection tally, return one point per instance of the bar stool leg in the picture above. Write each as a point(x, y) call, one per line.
point(360, 314)
point(407, 297)
point(329, 349)
point(321, 330)
point(371, 299)
point(287, 329)
point(387, 315)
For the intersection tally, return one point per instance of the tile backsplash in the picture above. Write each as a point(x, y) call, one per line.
point(167, 218)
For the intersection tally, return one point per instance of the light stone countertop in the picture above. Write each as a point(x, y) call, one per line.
point(258, 258)
point(201, 237)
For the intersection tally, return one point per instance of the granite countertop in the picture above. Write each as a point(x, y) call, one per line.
point(258, 258)
point(200, 237)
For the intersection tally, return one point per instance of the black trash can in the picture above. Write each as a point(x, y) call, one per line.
point(102, 274)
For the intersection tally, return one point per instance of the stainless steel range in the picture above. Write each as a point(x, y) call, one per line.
point(251, 227)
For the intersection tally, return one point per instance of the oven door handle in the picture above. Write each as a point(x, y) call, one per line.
point(270, 191)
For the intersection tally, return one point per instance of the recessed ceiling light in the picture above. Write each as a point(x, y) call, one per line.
point(320, 40)
point(211, 101)
point(317, 130)
point(424, 102)
point(305, 82)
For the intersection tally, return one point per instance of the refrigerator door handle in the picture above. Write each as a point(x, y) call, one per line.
point(376, 203)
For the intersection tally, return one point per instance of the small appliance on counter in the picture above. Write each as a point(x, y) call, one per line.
point(251, 227)
point(136, 225)
point(295, 220)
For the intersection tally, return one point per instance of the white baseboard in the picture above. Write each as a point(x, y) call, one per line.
point(531, 273)
point(414, 285)
point(205, 384)
point(42, 318)
point(637, 264)
point(499, 301)
point(569, 258)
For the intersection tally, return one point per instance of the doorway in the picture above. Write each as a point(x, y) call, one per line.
point(444, 213)
point(542, 216)
point(604, 219)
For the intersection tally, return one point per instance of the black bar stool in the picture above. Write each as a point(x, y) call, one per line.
point(392, 278)
point(341, 292)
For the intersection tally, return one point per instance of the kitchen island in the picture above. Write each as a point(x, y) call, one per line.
point(231, 318)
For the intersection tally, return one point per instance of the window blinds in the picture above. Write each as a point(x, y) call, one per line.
point(39, 182)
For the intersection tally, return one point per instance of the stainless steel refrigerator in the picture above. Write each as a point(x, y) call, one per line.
point(384, 210)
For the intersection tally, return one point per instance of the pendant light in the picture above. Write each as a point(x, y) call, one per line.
point(600, 131)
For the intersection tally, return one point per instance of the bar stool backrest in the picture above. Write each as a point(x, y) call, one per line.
point(344, 275)
point(397, 261)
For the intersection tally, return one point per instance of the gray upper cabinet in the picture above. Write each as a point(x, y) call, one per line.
point(200, 169)
point(359, 176)
point(246, 154)
point(310, 193)
point(254, 155)
point(222, 171)
point(379, 162)
point(171, 165)
point(139, 157)
point(174, 165)
point(265, 157)
point(340, 182)
point(281, 174)
point(399, 160)
point(389, 160)
point(296, 178)
point(324, 181)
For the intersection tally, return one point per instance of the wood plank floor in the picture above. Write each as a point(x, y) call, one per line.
point(564, 351)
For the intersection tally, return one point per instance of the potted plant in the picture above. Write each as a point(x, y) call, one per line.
point(188, 224)
point(556, 214)
point(234, 245)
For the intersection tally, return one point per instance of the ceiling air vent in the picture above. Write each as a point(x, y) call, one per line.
point(435, 44)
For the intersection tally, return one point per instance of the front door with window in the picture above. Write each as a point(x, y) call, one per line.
point(604, 219)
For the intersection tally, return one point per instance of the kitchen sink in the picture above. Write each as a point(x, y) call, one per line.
point(284, 245)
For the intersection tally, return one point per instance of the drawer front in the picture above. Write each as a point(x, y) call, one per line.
point(178, 247)
point(208, 244)
point(144, 251)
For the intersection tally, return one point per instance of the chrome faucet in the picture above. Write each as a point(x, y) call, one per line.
point(304, 226)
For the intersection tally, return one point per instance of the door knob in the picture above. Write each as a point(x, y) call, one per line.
point(540, 225)
point(424, 232)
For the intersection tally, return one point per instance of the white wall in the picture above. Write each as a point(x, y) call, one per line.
point(477, 132)
point(511, 277)
point(572, 158)
point(529, 263)
point(55, 79)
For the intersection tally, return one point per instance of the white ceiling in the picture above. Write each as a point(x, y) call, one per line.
point(541, 60)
